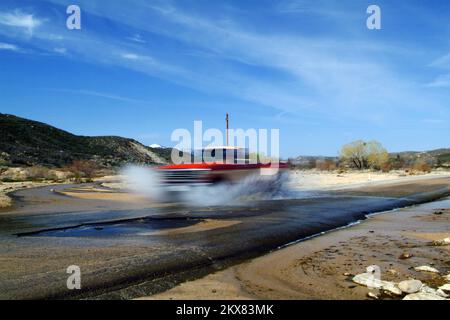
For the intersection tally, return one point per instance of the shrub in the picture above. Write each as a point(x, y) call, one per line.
point(83, 169)
point(325, 165)
point(422, 166)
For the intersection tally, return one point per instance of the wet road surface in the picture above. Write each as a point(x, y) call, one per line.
point(122, 255)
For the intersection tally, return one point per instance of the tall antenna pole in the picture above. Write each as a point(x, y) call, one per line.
point(226, 119)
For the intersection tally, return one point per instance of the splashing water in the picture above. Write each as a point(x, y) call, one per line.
point(143, 181)
point(147, 182)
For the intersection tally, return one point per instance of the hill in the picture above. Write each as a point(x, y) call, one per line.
point(27, 142)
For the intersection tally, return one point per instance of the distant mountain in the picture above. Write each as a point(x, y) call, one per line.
point(437, 157)
point(27, 142)
point(310, 161)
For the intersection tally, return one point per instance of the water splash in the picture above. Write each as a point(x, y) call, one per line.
point(142, 181)
point(147, 182)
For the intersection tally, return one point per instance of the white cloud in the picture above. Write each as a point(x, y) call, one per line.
point(8, 46)
point(60, 50)
point(20, 20)
point(130, 56)
point(104, 95)
point(327, 76)
point(137, 38)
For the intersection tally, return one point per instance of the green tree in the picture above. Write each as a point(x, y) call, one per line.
point(361, 154)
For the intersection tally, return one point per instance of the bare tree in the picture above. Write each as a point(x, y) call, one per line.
point(83, 168)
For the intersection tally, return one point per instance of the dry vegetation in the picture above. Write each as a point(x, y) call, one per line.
point(79, 171)
point(371, 155)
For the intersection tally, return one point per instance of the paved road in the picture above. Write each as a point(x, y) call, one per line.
point(123, 251)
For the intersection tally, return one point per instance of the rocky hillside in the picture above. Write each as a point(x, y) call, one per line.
point(438, 157)
point(27, 142)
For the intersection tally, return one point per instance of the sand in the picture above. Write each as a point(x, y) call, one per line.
point(34, 267)
point(203, 226)
point(322, 267)
point(323, 180)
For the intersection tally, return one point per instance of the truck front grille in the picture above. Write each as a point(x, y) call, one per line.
point(184, 176)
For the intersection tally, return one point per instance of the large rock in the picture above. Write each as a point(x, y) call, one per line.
point(423, 296)
point(368, 280)
point(410, 286)
point(426, 269)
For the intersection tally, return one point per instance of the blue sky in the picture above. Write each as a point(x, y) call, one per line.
point(312, 69)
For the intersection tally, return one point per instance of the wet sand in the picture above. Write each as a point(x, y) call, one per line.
point(322, 267)
point(108, 239)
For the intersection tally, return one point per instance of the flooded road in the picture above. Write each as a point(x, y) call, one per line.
point(126, 250)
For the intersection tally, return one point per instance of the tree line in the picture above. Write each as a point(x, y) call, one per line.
point(361, 155)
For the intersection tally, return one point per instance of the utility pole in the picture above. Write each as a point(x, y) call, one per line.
point(226, 119)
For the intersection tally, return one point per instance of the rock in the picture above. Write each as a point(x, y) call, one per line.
point(447, 277)
point(410, 286)
point(370, 280)
point(428, 290)
point(404, 256)
point(437, 212)
point(367, 279)
point(445, 288)
point(426, 269)
point(347, 274)
point(441, 293)
point(423, 296)
point(373, 295)
point(441, 242)
point(391, 288)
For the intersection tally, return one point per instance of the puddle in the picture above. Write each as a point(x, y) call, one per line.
point(130, 227)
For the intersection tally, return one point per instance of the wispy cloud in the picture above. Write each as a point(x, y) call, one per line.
point(328, 9)
point(296, 71)
point(442, 62)
point(21, 20)
point(104, 95)
point(60, 50)
point(10, 47)
point(130, 56)
point(137, 38)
